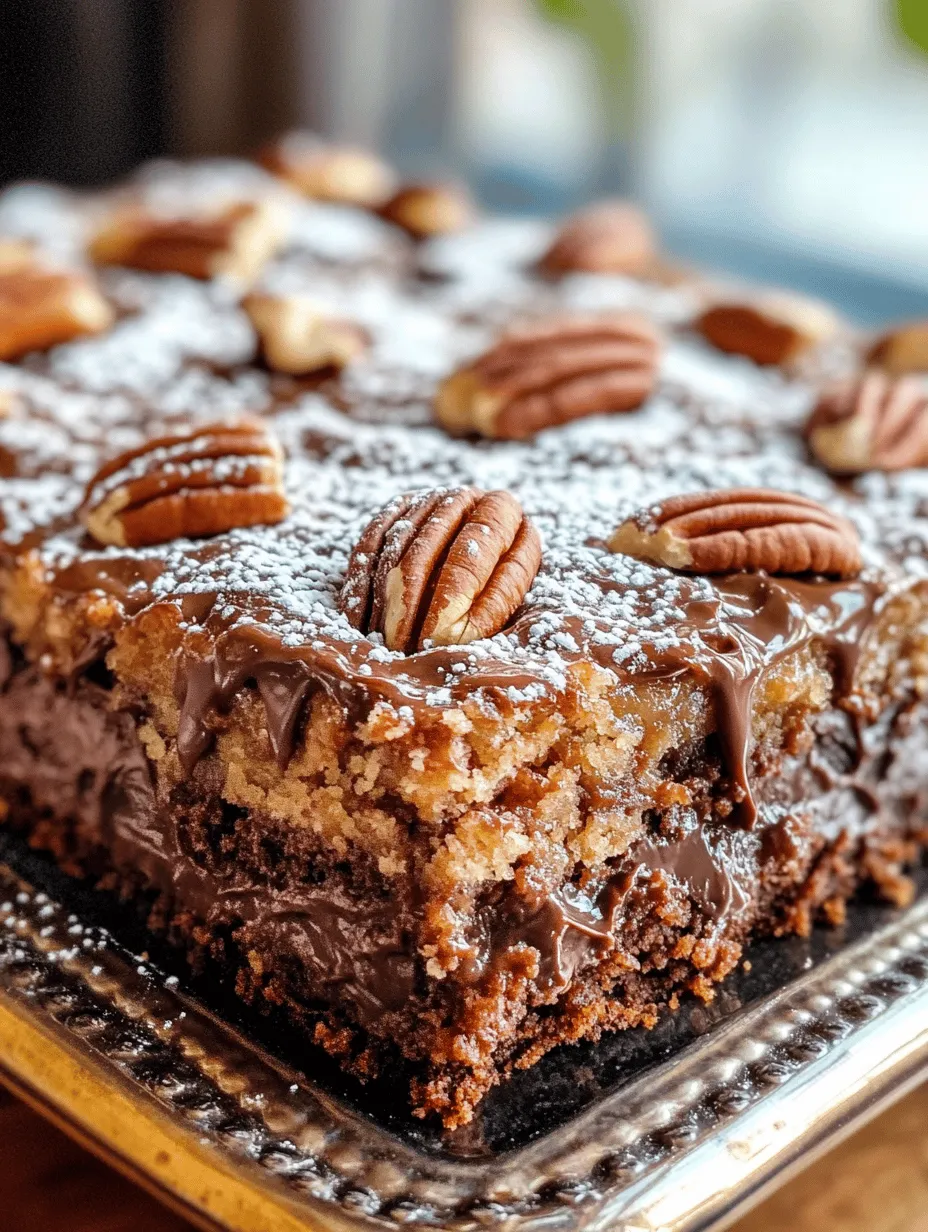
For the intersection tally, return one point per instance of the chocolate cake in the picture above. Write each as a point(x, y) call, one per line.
point(461, 638)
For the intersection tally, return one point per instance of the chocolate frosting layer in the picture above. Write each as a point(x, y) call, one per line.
point(78, 759)
point(264, 599)
point(725, 641)
point(573, 928)
point(727, 645)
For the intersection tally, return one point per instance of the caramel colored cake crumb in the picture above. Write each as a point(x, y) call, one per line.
point(458, 736)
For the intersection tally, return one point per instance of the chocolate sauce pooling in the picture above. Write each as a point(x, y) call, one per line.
point(728, 644)
point(81, 761)
point(264, 599)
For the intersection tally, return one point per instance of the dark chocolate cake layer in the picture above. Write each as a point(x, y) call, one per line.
point(337, 946)
point(464, 854)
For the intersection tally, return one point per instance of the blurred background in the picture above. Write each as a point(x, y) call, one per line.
point(783, 139)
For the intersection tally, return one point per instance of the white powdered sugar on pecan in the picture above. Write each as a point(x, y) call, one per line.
point(182, 354)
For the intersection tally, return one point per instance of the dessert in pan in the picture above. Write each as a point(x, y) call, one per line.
point(468, 634)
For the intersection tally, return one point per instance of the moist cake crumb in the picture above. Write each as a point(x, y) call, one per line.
point(466, 855)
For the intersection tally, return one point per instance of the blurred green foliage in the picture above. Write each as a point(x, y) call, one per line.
point(912, 16)
point(560, 10)
point(607, 25)
point(608, 28)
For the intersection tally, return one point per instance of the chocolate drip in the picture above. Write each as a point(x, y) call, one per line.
point(757, 622)
point(196, 691)
point(203, 686)
point(283, 688)
point(728, 642)
point(81, 760)
point(573, 928)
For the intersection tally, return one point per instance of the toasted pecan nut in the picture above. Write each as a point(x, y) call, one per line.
point(427, 210)
point(15, 254)
point(775, 330)
point(234, 242)
point(874, 422)
point(298, 337)
point(550, 373)
point(611, 237)
point(42, 305)
point(211, 479)
point(902, 350)
point(742, 530)
point(344, 175)
point(444, 568)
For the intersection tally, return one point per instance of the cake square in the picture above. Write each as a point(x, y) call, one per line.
point(486, 690)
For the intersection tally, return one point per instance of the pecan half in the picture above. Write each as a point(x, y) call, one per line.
point(550, 373)
point(212, 479)
point(774, 330)
point(234, 242)
point(337, 173)
point(612, 237)
point(443, 567)
point(425, 210)
point(15, 254)
point(875, 422)
point(902, 350)
point(42, 305)
point(299, 338)
point(742, 530)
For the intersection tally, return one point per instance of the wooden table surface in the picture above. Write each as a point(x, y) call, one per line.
point(877, 1181)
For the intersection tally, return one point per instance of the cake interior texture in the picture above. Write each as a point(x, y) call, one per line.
point(466, 855)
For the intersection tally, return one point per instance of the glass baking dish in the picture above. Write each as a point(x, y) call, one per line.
point(242, 1125)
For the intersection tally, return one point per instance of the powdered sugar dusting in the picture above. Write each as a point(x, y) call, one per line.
point(184, 351)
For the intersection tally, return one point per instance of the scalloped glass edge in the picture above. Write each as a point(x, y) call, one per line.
point(210, 1119)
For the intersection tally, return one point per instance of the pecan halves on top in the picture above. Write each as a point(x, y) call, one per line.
point(550, 373)
point(902, 350)
point(212, 479)
point(345, 175)
point(874, 422)
point(232, 241)
point(774, 329)
point(444, 568)
point(427, 210)
point(42, 305)
point(742, 530)
point(611, 237)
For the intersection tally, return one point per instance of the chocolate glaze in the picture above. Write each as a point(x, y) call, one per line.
point(725, 644)
point(574, 927)
point(76, 757)
point(80, 760)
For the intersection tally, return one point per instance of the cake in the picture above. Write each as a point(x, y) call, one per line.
point(469, 649)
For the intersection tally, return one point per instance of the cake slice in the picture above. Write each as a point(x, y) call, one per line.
point(455, 746)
